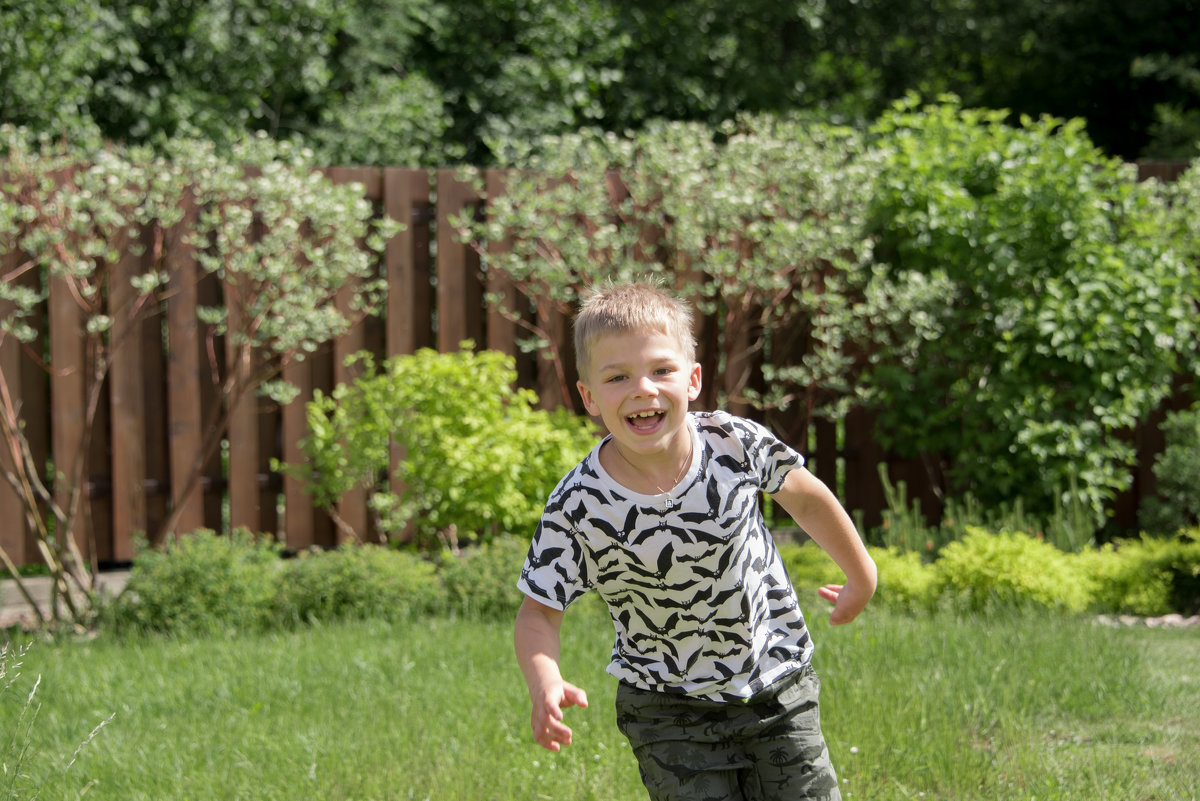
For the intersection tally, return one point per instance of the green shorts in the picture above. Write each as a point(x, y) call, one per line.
point(769, 748)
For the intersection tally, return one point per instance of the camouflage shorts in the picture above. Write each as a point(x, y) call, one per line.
point(769, 748)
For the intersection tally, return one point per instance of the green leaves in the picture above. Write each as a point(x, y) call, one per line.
point(1060, 333)
point(479, 458)
point(762, 223)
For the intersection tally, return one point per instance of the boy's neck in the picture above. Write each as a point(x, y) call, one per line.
point(645, 474)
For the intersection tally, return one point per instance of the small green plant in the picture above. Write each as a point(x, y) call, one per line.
point(1176, 504)
point(479, 457)
point(201, 583)
point(357, 582)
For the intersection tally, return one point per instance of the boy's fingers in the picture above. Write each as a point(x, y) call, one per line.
point(574, 696)
point(830, 592)
point(550, 733)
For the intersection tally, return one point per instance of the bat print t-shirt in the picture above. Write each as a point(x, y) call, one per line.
point(697, 591)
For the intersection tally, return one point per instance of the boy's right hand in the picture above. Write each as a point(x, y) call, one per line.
point(848, 601)
point(547, 719)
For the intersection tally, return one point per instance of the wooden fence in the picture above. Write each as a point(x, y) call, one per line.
point(149, 424)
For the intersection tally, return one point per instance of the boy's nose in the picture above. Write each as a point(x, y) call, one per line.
point(645, 386)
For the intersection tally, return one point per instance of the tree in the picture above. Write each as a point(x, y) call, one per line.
point(215, 70)
point(49, 61)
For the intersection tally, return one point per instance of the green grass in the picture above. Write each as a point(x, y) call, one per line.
point(1023, 707)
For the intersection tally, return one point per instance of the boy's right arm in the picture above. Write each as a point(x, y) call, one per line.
point(536, 637)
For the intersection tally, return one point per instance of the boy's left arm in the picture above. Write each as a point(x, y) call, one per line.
point(816, 510)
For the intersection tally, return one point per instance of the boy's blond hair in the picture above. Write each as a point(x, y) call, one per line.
point(632, 307)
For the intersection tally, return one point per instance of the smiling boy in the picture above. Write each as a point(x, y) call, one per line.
point(717, 694)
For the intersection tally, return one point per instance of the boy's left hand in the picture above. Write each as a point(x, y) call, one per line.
point(847, 602)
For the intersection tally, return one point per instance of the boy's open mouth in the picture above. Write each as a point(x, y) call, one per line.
point(645, 421)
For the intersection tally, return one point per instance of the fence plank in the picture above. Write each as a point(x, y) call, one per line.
point(409, 325)
point(299, 531)
point(863, 491)
point(410, 296)
point(15, 534)
point(212, 353)
point(459, 292)
point(127, 409)
point(242, 432)
point(13, 526)
point(554, 387)
point(825, 453)
point(184, 396)
point(352, 507)
point(501, 328)
point(68, 396)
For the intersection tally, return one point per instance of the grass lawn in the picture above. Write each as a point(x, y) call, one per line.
point(1021, 707)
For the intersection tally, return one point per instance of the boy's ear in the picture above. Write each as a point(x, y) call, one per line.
point(589, 402)
point(694, 382)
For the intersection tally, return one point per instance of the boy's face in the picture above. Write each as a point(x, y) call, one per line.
point(639, 384)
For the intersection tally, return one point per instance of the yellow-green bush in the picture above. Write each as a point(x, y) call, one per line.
point(905, 582)
point(810, 567)
point(1146, 576)
point(983, 570)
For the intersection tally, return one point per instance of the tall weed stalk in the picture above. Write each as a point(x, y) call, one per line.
point(16, 749)
point(1070, 527)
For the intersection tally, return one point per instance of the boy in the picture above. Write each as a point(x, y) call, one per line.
point(716, 693)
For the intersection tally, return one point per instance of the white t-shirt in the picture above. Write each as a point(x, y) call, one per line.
point(699, 596)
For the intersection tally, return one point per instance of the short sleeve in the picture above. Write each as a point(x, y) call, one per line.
point(556, 571)
point(770, 456)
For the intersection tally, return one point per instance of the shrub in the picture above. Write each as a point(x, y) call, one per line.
point(482, 581)
point(1147, 576)
point(1125, 584)
point(905, 582)
point(479, 457)
point(984, 570)
point(356, 583)
point(1176, 504)
point(1069, 526)
point(810, 567)
point(201, 583)
point(1064, 312)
